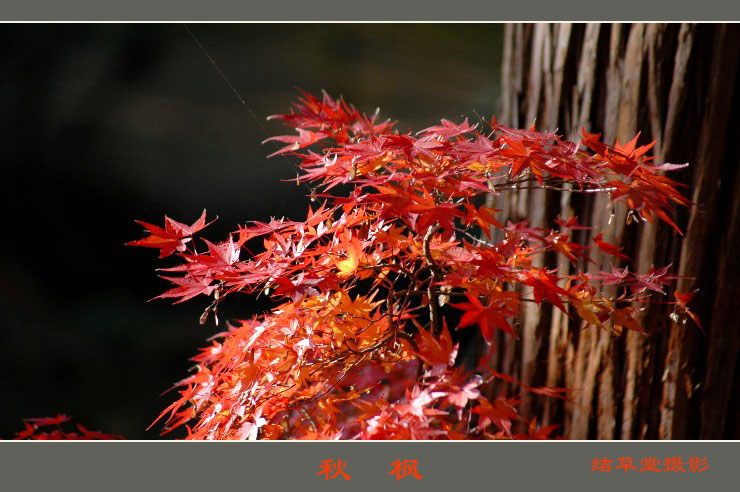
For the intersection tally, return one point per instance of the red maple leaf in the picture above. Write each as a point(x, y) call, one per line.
point(297, 142)
point(42, 421)
point(487, 317)
point(609, 248)
point(448, 129)
point(682, 300)
point(545, 288)
point(173, 237)
point(501, 413)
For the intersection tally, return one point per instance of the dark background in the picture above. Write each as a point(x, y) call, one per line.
point(104, 124)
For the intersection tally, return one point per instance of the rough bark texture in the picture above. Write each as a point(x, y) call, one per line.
point(678, 84)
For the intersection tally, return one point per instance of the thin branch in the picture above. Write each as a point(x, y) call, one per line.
point(433, 307)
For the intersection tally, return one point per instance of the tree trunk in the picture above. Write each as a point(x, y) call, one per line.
point(678, 84)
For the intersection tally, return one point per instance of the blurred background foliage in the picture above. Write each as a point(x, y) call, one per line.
point(101, 124)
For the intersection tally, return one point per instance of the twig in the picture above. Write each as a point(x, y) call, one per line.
point(433, 307)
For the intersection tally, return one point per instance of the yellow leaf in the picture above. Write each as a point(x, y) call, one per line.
point(349, 266)
point(587, 315)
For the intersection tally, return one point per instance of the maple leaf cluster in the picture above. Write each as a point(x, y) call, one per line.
point(357, 345)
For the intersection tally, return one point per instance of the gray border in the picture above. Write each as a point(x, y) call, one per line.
point(497, 465)
point(368, 10)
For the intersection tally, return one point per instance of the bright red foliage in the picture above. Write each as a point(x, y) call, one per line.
point(53, 431)
point(357, 345)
